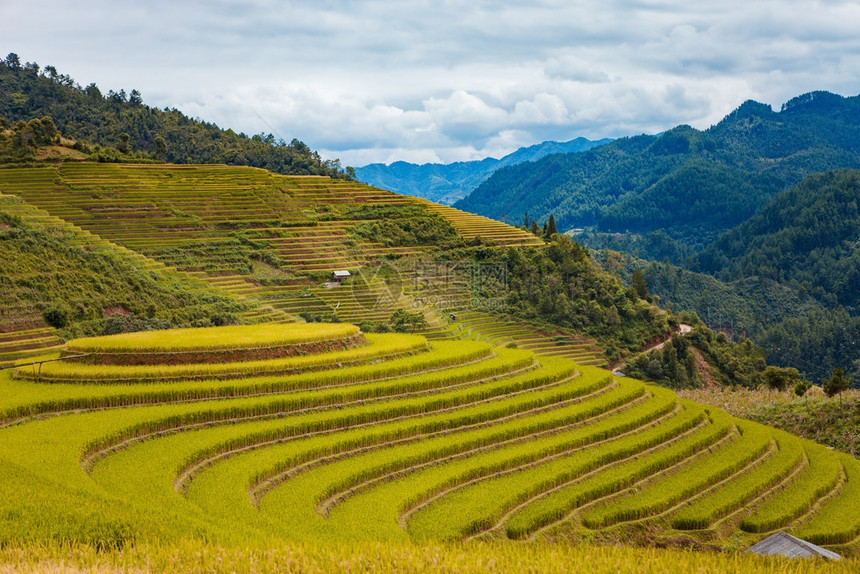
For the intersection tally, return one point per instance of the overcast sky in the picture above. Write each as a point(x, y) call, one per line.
point(431, 81)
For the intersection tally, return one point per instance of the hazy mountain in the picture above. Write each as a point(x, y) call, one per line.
point(447, 183)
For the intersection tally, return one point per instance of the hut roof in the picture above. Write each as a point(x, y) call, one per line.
point(782, 544)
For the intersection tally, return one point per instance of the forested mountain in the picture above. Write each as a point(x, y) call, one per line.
point(691, 184)
point(789, 277)
point(447, 183)
point(121, 121)
point(793, 328)
point(807, 236)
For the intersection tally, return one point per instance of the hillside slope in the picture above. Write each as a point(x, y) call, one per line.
point(448, 183)
point(806, 236)
point(55, 275)
point(273, 241)
point(794, 328)
point(691, 184)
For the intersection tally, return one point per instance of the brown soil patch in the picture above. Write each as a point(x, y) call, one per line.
point(59, 152)
point(118, 310)
point(221, 355)
point(705, 370)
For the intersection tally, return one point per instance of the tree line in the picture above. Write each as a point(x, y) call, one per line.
point(119, 120)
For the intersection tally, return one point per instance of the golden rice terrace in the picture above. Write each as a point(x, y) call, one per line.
point(321, 432)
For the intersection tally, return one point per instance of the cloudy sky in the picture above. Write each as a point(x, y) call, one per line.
point(445, 80)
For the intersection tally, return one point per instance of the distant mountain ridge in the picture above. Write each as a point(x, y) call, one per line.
point(448, 183)
point(689, 183)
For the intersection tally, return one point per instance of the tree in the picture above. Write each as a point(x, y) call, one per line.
point(123, 144)
point(160, 147)
point(800, 390)
point(12, 61)
point(551, 229)
point(779, 378)
point(93, 92)
point(403, 321)
point(44, 131)
point(526, 221)
point(639, 284)
point(837, 383)
point(134, 98)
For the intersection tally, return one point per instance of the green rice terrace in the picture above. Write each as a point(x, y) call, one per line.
point(318, 432)
point(261, 247)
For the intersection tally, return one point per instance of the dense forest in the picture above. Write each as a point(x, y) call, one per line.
point(560, 285)
point(685, 361)
point(806, 237)
point(103, 124)
point(755, 221)
point(793, 299)
point(690, 184)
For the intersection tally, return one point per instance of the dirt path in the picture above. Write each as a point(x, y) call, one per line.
point(682, 330)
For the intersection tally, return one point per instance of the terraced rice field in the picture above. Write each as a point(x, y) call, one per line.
point(164, 211)
point(23, 332)
point(218, 224)
point(20, 345)
point(388, 437)
point(556, 343)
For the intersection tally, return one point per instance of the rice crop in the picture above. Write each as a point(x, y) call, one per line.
point(558, 504)
point(822, 474)
point(212, 338)
point(705, 511)
point(393, 440)
point(661, 496)
point(443, 355)
point(377, 347)
point(839, 521)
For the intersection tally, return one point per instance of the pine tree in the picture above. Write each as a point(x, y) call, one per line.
point(551, 229)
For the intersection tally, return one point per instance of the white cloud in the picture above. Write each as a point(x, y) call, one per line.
point(431, 80)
